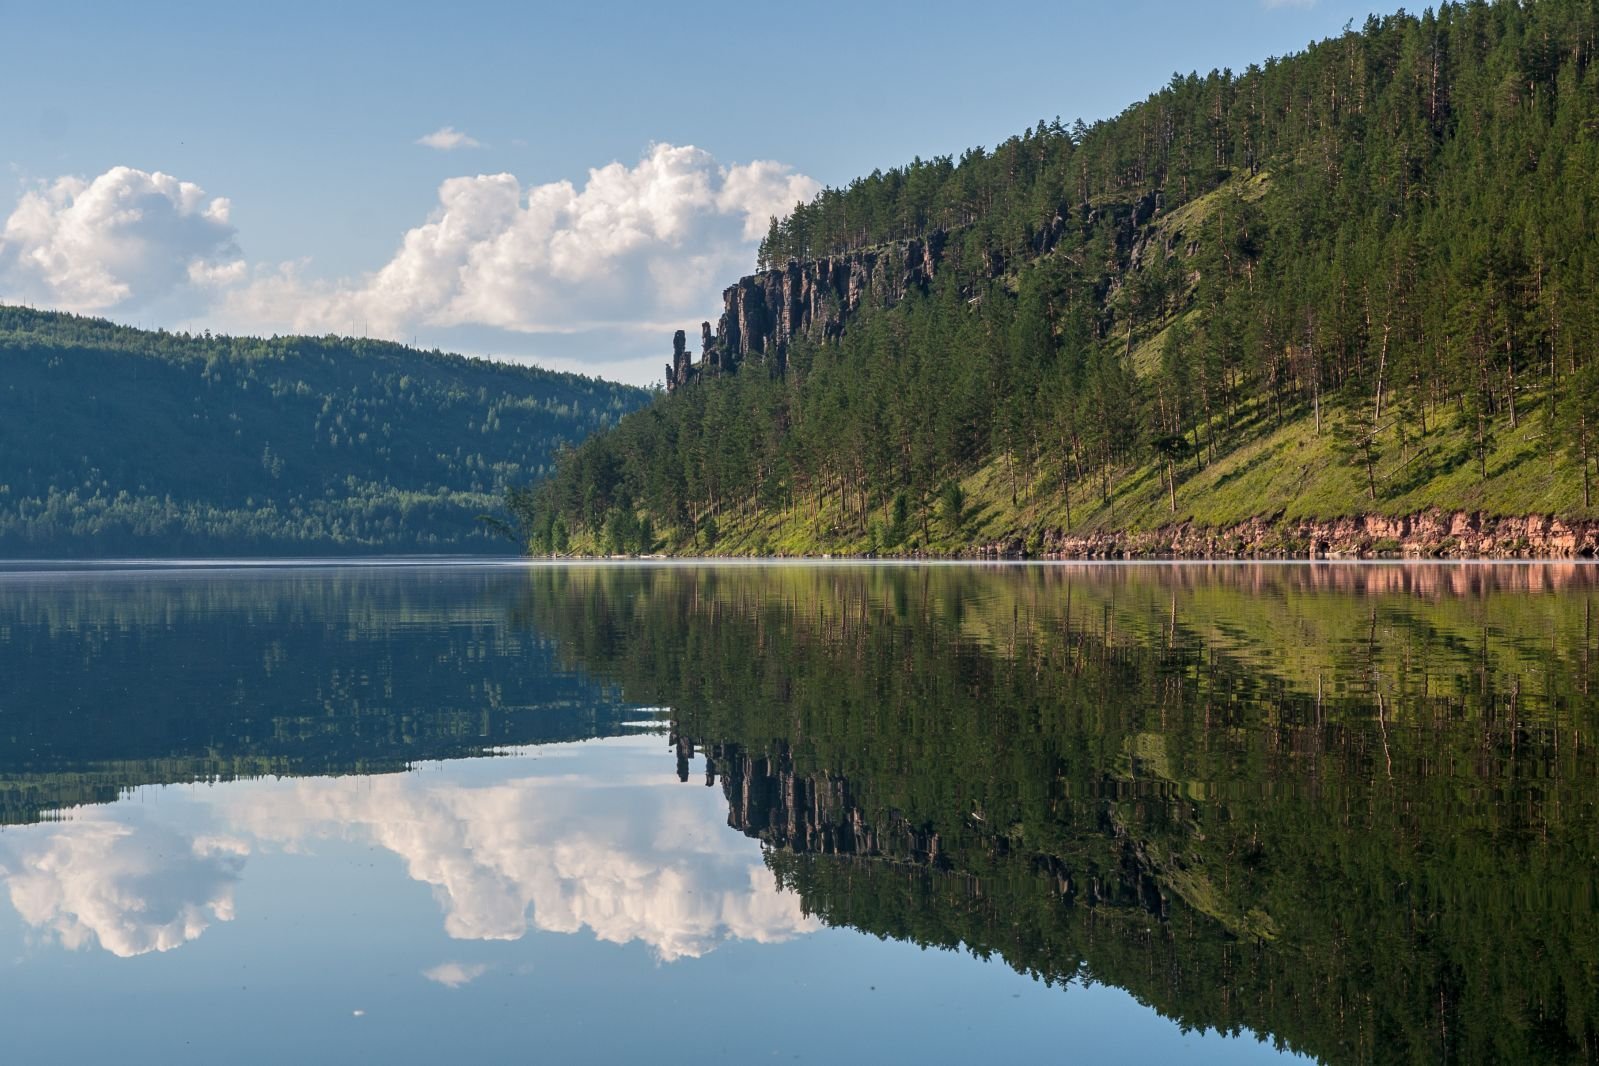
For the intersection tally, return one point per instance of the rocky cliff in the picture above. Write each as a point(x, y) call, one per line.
point(763, 313)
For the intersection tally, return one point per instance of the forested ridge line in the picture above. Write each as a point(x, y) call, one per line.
point(116, 440)
point(1358, 281)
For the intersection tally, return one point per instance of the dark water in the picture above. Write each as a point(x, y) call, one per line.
point(824, 813)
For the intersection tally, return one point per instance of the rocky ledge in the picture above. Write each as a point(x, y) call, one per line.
point(764, 312)
point(1430, 534)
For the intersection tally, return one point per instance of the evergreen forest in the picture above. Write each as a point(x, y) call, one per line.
point(118, 441)
point(1362, 279)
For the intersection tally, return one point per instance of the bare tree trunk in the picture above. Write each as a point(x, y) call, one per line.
point(1382, 364)
point(1482, 444)
point(1481, 405)
point(1510, 371)
point(1582, 434)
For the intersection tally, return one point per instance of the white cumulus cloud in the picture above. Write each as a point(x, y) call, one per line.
point(124, 238)
point(640, 245)
point(763, 189)
point(632, 251)
point(448, 138)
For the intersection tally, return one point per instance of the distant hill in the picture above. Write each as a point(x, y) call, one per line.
point(1342, 300)
point(119, 441)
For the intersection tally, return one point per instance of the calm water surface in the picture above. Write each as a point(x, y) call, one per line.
point(818, 813)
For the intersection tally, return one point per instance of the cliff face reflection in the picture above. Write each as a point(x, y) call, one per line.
point(1352, 808)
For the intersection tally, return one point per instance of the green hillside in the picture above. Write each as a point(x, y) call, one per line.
point(1360, 280)
point(117, 441)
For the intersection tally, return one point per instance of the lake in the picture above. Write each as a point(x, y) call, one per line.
point(503, 811)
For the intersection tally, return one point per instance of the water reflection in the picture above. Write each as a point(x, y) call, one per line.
point(455, 974)
point(1351, 808)
point(627, 858)
point(127, 888)
point(111, 682)
point(623, 855)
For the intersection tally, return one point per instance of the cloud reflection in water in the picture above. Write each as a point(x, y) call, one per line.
point(619, 849)
point(630, 860)
point(132, 888)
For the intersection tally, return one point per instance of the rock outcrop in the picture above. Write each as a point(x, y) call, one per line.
point(1430, 534)
point(763, 314)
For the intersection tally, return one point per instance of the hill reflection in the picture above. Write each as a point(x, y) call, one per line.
point(109, 682)
point(1351, 807)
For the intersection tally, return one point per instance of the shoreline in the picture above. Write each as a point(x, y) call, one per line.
point(1433, 534)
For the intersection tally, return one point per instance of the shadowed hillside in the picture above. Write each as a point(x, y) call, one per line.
point(117, 441)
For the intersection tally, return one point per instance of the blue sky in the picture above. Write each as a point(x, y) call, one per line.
point(259, 167)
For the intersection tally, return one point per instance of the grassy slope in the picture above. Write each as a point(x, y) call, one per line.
point(1289, 472)
point(1294, 473)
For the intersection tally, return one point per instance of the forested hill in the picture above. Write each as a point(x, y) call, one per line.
point(118, 441)
point(1356, 284)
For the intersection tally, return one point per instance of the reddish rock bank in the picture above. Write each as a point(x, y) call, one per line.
point(1431, 534)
